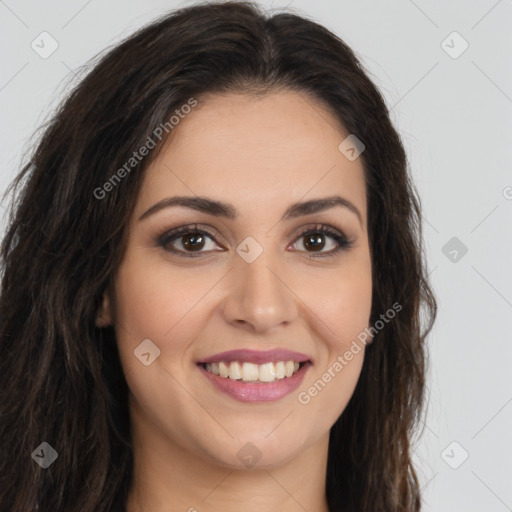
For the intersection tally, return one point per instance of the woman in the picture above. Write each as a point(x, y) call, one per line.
point(212, 282)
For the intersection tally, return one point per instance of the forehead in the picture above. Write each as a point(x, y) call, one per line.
point(260, 151)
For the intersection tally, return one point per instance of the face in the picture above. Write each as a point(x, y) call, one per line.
point(256, 275)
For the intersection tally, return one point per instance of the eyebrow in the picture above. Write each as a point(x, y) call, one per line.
point(221, 209)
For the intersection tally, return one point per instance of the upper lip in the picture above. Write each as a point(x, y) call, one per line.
point(257, 356)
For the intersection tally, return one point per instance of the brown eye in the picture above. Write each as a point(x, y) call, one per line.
point(193, 241)
point(187, 241)
point(314, 242)
point(321, 237)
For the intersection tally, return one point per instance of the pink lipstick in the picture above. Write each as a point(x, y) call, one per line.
point(256, 376)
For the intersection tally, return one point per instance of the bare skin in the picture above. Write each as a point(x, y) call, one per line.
point(260, 155)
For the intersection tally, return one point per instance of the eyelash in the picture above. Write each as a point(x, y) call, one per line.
point(175, 234)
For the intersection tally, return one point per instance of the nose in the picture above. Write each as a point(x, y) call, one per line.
point(260, 299)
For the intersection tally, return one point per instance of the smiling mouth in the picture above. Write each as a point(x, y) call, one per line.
point(252, 372)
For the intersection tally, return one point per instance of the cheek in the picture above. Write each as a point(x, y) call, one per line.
point(169, 306)
point(347, 308)
point(153, 303)
point(342, 306)
point(342, 301)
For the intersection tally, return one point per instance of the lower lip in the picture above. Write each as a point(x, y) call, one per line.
point(257, 392)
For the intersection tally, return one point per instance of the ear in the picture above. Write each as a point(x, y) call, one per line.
point(104, 316)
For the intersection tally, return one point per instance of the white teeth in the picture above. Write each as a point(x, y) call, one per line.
point(215, 368)
point(251, 372)
point(267, 372)
point(280, 371)
point(223, 370)
point(235, 371)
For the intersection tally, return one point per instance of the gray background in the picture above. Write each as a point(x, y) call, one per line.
point(455, 117)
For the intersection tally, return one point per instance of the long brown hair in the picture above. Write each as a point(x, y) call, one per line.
point(61, 381)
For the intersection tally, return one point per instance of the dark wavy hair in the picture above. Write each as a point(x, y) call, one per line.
point(61, 380)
